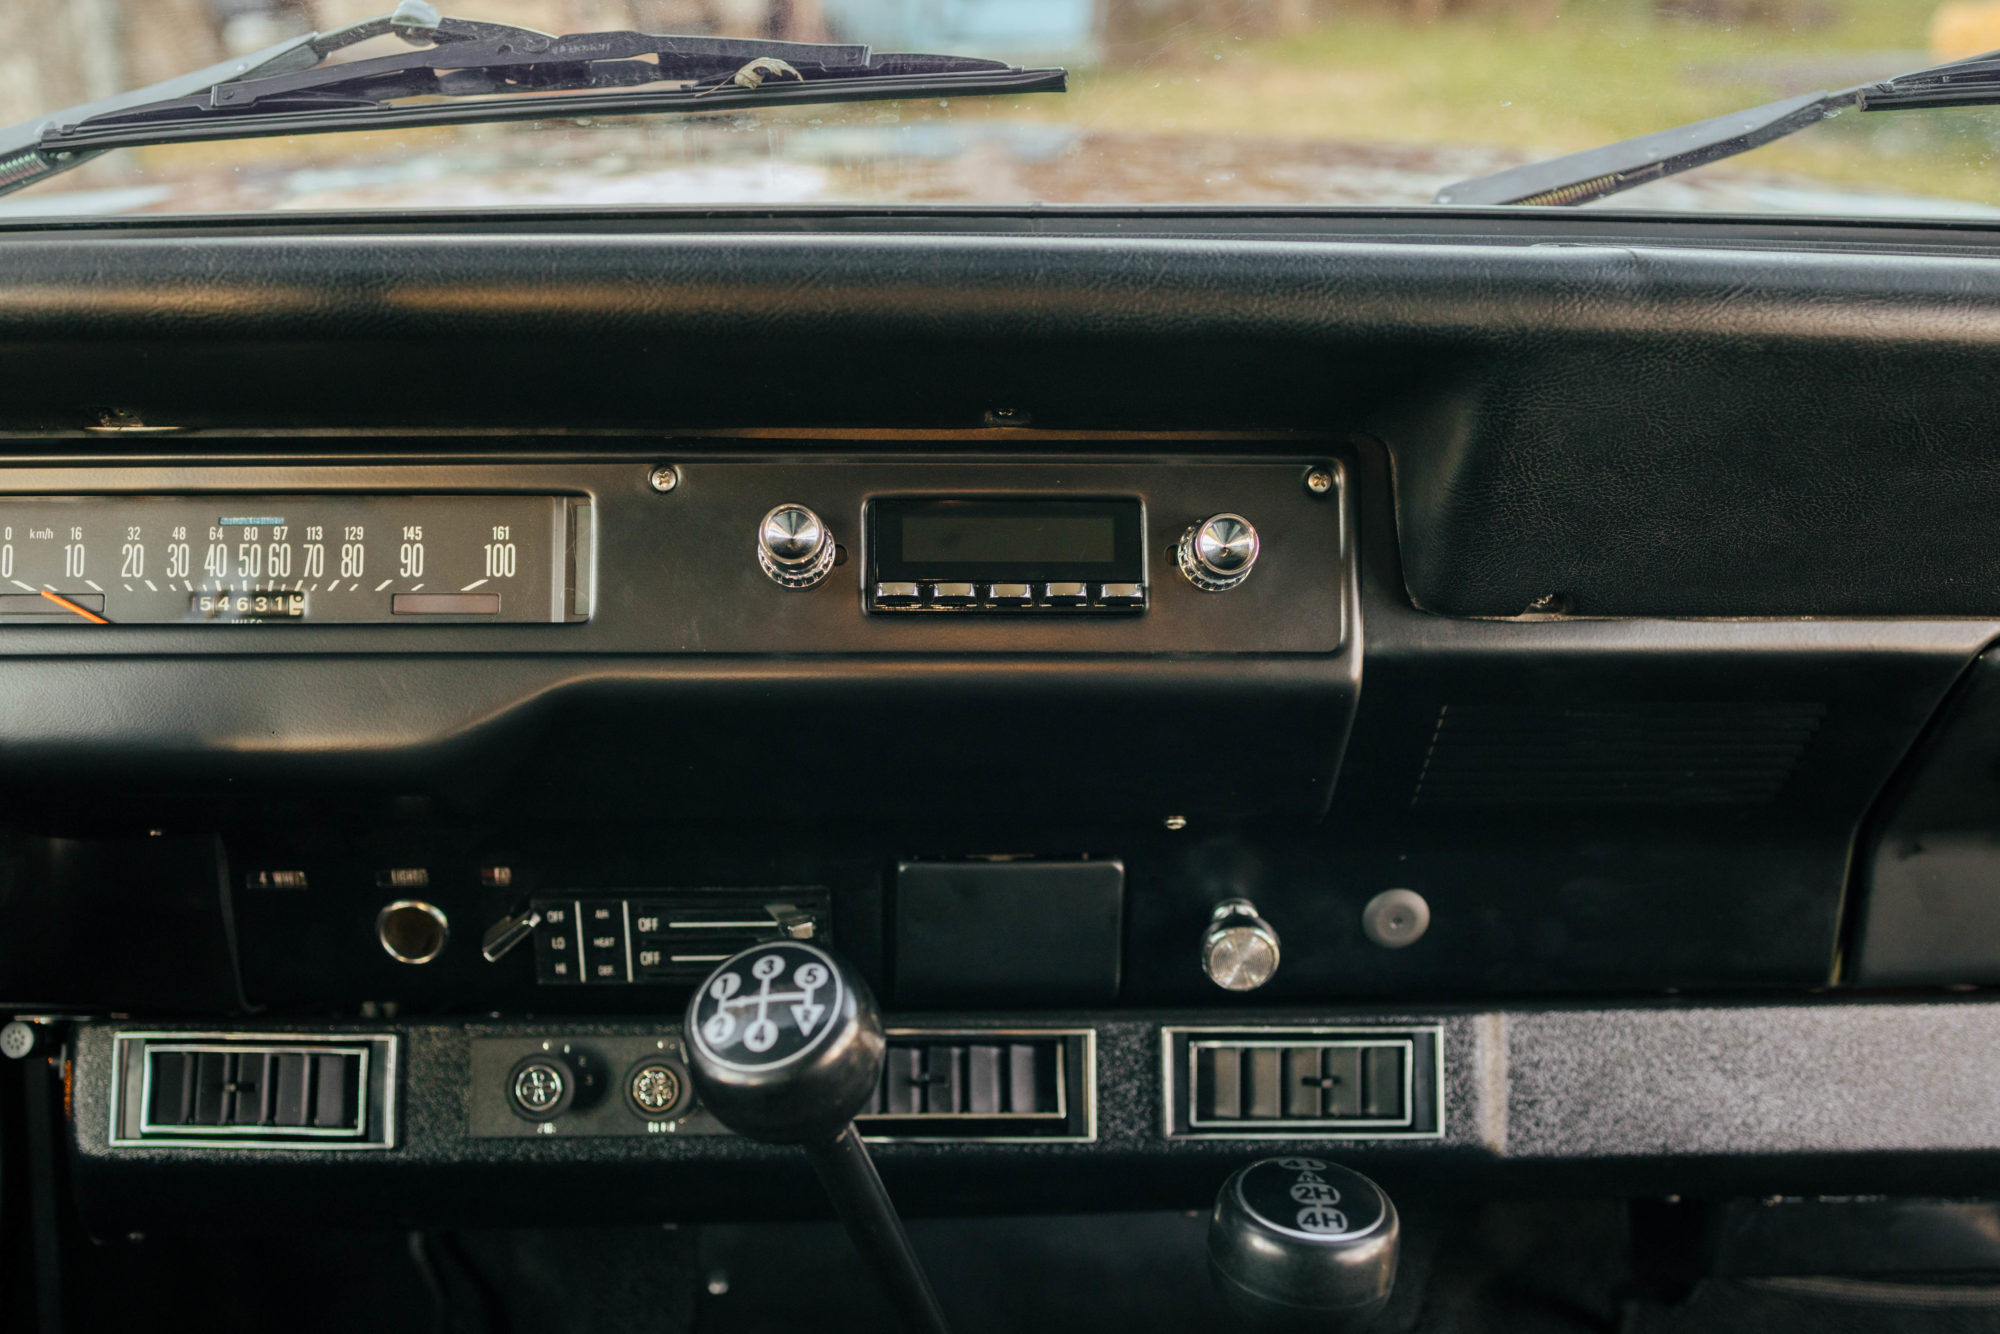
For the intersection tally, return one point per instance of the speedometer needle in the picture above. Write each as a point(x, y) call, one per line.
point(67, 605)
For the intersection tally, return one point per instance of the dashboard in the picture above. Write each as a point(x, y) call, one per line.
point(1437, 700)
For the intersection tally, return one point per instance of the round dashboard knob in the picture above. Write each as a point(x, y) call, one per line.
point(1217, 554)
point(794, 547)
point(1240, 950)
point(542, 1087)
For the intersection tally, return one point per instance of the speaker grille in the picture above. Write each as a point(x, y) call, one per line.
point(1672, 754)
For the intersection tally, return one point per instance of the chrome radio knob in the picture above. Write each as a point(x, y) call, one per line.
point(794, 547)
point(1240, 950)
point(1216, 554)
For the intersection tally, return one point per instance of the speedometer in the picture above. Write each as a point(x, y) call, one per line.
point(292, 559)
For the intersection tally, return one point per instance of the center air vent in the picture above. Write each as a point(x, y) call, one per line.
point(977, 1084)
point(1303, 1083)
point(246, 1091)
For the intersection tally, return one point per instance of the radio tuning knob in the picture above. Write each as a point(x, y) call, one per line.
point(794, 547)
point(1216, 554)
point(1240, 950)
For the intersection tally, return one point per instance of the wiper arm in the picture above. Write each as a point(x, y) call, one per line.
point(487, 72)
point(1596, 172)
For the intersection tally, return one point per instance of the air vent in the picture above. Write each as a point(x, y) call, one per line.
point(985, 1084)
point(1303, 1083)
point(1655, 755)
point(254, 1091)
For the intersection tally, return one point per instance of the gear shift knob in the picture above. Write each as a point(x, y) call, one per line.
point(785, 1044)
point(1301, 1243)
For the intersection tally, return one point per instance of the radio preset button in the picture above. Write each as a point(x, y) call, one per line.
point(955, 594)
point(1012, 595)
point(1068, 595)
point(1122, 595)
point(896, 594)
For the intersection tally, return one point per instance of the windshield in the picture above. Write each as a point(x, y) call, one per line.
point(1341, 103)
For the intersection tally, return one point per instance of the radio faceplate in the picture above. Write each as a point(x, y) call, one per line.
point(953, 555)
point(1009, 557)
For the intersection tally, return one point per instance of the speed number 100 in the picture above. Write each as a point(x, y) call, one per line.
point(500, 555)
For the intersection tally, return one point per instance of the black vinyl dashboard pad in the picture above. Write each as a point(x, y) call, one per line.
point(1608, 576)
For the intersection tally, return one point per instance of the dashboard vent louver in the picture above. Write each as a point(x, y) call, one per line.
point(254, 1091)
point(1673, 754)
point(1303, 1083)
point(971, 1084)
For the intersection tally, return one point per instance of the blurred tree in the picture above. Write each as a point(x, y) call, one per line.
point(1137, 20)
point(1964, 28)
point(1784, 13)
point(167, 37)
point(53, 54)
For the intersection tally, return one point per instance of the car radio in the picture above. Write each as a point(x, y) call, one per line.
point(928, 554)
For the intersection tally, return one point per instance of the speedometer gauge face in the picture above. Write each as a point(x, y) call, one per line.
point(285, 559)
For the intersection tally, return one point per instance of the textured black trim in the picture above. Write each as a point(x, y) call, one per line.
point(1613, 1099)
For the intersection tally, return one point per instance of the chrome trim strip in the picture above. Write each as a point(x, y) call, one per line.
point(625, 916)
point(174, 1133)
point(1403, 1044)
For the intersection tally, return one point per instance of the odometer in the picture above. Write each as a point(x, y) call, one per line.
point(264, 605)
point(291, 559)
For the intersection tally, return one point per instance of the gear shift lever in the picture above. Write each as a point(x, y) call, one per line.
point(785, 1046)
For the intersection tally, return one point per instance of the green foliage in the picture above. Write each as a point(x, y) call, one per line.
point(1549, 79)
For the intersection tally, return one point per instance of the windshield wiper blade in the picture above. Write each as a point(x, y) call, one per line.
point(475, 72)
point(1594, 173)
point(1972, 82)
point(1597, 172)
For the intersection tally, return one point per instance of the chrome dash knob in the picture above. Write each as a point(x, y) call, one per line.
point(1240, 950)
point(794, 547)
point(1216, 554)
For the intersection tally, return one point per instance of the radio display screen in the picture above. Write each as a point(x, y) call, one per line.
point(1020, 540)
point(1001, 539)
